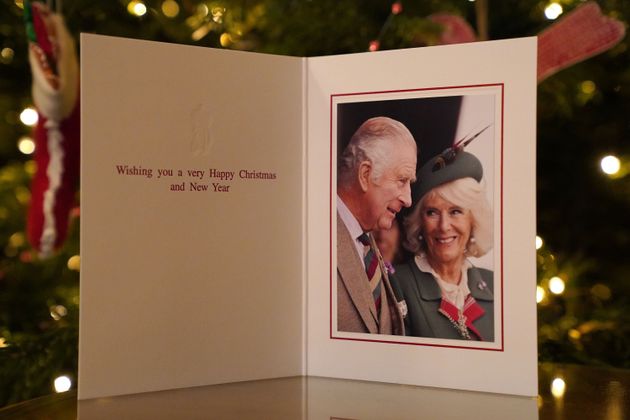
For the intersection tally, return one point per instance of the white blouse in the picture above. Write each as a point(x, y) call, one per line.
point(454, 293)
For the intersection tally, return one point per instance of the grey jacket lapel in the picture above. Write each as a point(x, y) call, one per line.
point(478, 287)
point(430, 290)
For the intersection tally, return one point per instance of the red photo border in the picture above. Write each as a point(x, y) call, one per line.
point(502, 87)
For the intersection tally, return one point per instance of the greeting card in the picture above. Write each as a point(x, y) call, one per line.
point(249, 216)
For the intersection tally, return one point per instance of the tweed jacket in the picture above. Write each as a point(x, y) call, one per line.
point(356, 311)
point(423, 297)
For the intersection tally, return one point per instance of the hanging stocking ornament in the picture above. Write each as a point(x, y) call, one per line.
point(55, 69)
point(575, 37)
point(581, 34)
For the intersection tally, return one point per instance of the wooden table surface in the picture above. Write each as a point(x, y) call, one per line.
point(565, 392)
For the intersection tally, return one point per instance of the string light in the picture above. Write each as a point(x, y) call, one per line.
point(17, 240)
point(203, 10)
point(558, 387)
point(19, 3)
point(225, 39)
point(6, 55)
point(556, 285)
point(200, 32)
point(57, 312)
point(29, 116)
point(136, 8)
point(30, 167)
point(588, 87)
point(62, 384)
point(539, 242)
point(22, 194)
point(3, 343)
point(74, 263)
point(170, 8)
point(396, 9)
point(217, 14)
point(553, 10)
point(610, 164)
point(540, 294)
point(574, 334)
point(26, 145)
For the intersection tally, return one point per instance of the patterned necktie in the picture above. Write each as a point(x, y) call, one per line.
point(372, 269)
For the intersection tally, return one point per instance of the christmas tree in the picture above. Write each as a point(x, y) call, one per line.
point(583, 152)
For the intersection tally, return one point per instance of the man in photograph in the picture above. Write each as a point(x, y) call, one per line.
point(374, 179)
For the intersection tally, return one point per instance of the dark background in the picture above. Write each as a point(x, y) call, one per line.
point(431, 121)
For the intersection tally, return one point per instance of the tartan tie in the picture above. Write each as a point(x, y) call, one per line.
point(372, 269)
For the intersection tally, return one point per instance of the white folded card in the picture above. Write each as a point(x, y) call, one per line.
point(209, 247)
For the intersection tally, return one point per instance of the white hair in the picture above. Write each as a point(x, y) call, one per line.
point(373, 142)
point(466, 193)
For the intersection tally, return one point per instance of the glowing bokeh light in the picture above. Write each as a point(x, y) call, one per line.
point(540, 294)
point(558, 387)
point(225, 39)
point(74, 263)
point(29, 116)
point(553, 10)
point(574, 334)
point(17, 240)
point(136, 8)
point(610, 164)
point(62, 384)
point(26, 145)
point(588, 87)
point(170, 8)
point(556, 285)
point(22, 194)
point(200, 32)
point(217, 14)
point(6, 54)
point(202, 10)
point(539, 242)
point(58, 311)
point(30, 167)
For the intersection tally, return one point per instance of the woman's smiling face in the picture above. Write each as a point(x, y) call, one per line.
point(446, 229)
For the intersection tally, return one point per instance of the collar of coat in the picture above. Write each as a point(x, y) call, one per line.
point(430, 290)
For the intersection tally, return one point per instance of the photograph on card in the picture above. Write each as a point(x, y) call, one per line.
point(416, 217)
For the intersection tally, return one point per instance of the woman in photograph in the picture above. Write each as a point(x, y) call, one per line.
point(445, 295)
